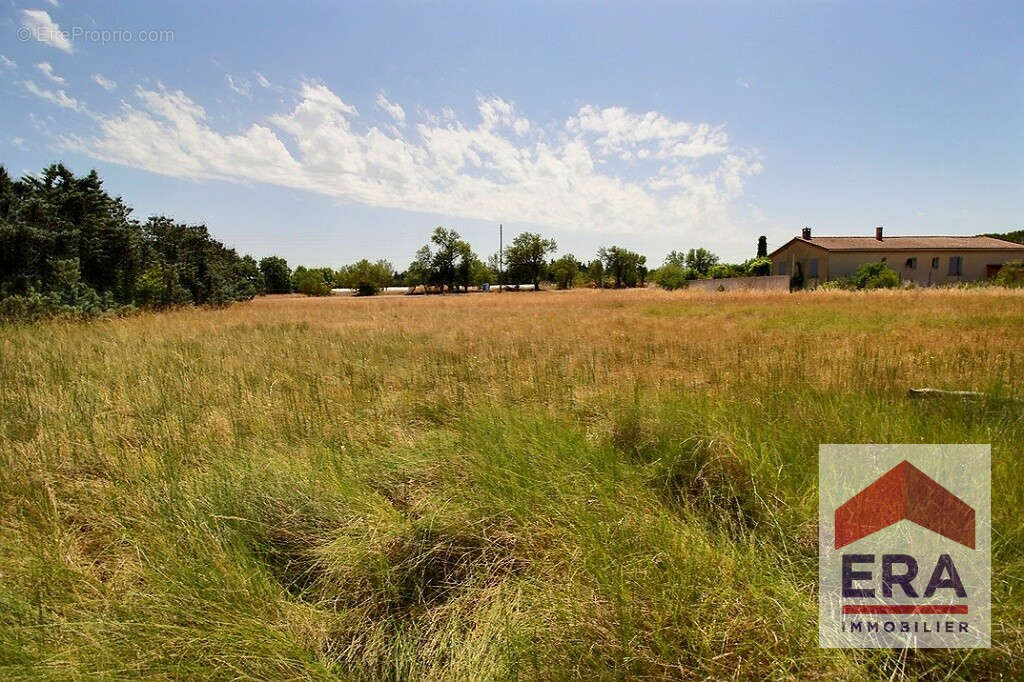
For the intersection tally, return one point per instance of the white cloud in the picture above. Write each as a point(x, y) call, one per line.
point(54, 3)
point(241, 87)
point(677, 177)
point(318, 94)
point(18, 142)
point(48, 72)
point(104, 83)
point(620, 132)
point(7, 62)
point(60, 98)
point(262, 80)
point(44, 29)
point(393, 110)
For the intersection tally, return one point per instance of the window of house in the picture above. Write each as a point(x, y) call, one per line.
point(911, 264)
point(812, 267)
point(781, 269)
point(935, 263)
point(956, 264)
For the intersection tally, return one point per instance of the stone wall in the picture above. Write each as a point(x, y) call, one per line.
point(768, 283)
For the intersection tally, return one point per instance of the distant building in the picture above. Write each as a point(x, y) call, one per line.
point(924, 260)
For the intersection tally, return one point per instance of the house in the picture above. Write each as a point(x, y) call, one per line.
point(923, 260)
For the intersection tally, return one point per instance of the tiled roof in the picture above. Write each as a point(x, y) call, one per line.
point(916, 243)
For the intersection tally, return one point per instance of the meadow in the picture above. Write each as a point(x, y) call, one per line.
point(549, 485)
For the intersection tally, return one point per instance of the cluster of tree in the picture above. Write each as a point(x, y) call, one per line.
point(313, 281)
point(1016, 236)
point(68, 247)
point(566, 272)
point(446, 262)
point(614, 267)
point(526, 258)
point(617, 267)
point(680, 268)
point(363, 277)
point(366, 278)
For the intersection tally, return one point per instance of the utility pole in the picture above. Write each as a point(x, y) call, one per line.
point(501, 255)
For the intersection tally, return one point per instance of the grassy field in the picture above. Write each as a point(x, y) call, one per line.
point(534, 485)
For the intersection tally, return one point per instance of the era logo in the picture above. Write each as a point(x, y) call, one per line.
point(943, 576)
point(904, 546)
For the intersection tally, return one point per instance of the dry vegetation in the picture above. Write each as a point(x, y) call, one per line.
point(534, 485)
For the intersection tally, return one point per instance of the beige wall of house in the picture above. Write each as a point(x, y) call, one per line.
point(974, 265)
point(786, 261)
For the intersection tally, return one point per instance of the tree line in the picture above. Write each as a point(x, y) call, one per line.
point(69, 247)
point(447, 263)
point(66, 246)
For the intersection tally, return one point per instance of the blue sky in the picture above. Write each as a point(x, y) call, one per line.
point(328, 132)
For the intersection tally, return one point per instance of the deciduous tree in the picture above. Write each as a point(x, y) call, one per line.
point(277, 276)
point(526, 257)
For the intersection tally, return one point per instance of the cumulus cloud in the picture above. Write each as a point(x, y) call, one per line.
point(602, 169)
point(44, 29)
point(58, 97)
point(48, 72)
point(393, 110)
point(104, 83)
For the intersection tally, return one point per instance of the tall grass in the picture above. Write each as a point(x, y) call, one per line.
point(540, 486)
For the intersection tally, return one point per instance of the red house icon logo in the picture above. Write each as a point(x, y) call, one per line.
point(904, 492)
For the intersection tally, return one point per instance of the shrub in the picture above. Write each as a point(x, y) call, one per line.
point(875, 276)
point(672, 276)
point(868, 276)
point(758, 267)
point(365, 289)
point(1011, 275)
point(726, 270)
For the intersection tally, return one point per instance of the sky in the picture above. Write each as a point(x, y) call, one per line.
point(326, 132)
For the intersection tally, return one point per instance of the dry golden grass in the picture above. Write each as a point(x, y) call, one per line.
point(538, 485)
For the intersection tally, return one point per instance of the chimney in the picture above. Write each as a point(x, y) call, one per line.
point(878, 233)
point(762, 246)
point(807, 233)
